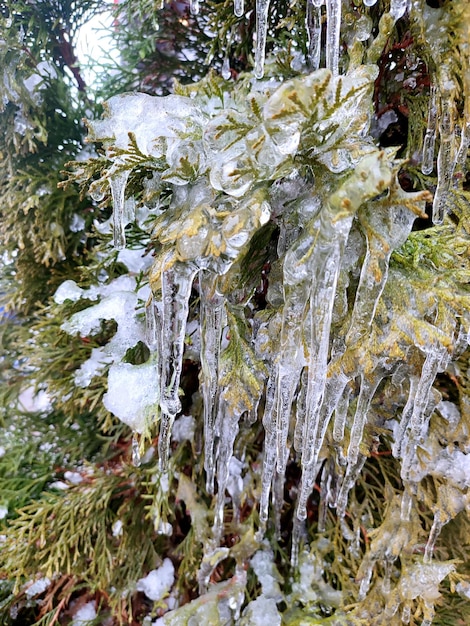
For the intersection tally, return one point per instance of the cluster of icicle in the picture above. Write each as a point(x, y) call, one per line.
point(221, 179)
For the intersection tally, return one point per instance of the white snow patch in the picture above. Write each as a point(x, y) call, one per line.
point(68, 290)
point(262, 563)
point(134, 260)
point(73, 477)
point(235, 481)
point(59, 484)
point(3, 511)
point(117, 528)
point(84, 615)
point(158, 582)
point(132, 394)
point(183, 428)
point(37, 587)
point(31, 401)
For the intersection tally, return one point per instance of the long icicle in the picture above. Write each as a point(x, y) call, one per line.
point(270, 449)
point(446, 160)
point(176, 290)
point(313, 27)
point(262, 10)
point(333, 27)
point(367, 391)
point(330, 236)
point(427, 164)
point(431, 366)
point(212, 309)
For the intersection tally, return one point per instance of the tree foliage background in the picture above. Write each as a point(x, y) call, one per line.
point(85, 511)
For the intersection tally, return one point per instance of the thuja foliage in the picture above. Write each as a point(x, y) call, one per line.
point(235, 334)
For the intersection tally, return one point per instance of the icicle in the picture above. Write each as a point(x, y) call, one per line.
point(445, 163)
point(386, 228)
point(299, 538)
point(270, 454)
point(226, 430)
point(399, 442)
point(427, 164)
point(406, 614)
point(341, 413)
point(194, 7)
point(409, 493)
point(313, 27)
point(365, 582)
point(278, 502)
point(300, 413)
point(432, 365)
point(461, 160)
point(176, 284)
point(136, 460)
point(333, 391)
point(386, 586)
point(262, 8)
point(433, 535)
point(333, 26)
point(348, 483)
point(153, 329)
point(369, 3)
point(226, 73)
point(367, 391)
point(286, 386)
point(117, 183)
point(326, 246)
point(321, 310)
point(327, 496)
point(239, 8)
point(212, 309)
point(309, 475)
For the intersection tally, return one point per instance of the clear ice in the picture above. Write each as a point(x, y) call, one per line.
point(446, 161)
point(212, 320)
point(427, 164)
point(335, 260)
point(176, 288)
point(262, 10)
point(333, 27)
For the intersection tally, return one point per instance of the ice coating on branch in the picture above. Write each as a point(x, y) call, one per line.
point(147, 118)
point(242, 164)
point(386, 228)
